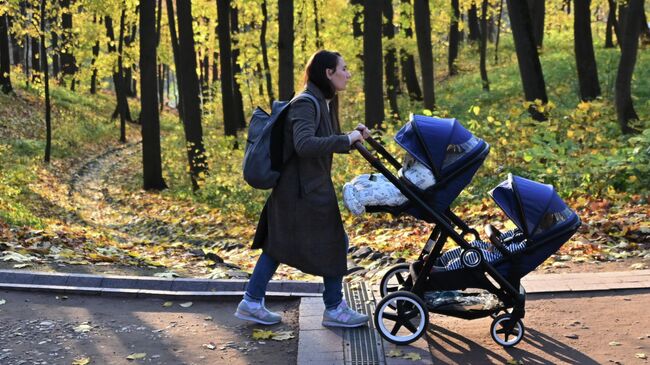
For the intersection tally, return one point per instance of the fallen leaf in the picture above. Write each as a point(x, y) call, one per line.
point(208, 318)
point(137, 356)
point(21, 266)
point(209, 346)
point(259, 334)
point(168, 304)
point(395, 353)
point(81, 361)
point(62, 297)
point(514, 362)
point(83, 328)
point(641, 355)
point(412, 356)
point(168, 275)
point(614, 343)
point(14, 256)
point(638, 266)
point(283, 335)
point(186, 305)
point(2, 301)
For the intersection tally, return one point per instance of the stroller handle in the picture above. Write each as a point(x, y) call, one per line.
point(380, 149)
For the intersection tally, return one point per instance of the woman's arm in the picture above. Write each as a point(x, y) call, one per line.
point(302, 115)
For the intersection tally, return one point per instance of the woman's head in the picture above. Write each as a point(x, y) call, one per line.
point(328, 71)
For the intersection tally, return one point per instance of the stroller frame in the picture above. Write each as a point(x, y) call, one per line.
point(482, 274)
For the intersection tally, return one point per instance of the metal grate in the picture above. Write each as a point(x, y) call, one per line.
point(363, 345)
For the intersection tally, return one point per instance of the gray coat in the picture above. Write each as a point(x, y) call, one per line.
point(300, 224)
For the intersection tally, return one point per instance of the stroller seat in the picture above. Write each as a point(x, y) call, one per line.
point(513, 241)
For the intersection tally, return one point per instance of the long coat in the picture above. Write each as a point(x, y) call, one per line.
point(300, 224)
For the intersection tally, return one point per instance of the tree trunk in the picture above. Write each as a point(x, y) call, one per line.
point(423, 36)
point(496, 41)
point(631, 27)
point(454, 38)
point(149, 118)
point(265, 55)
point(190, 91)
point(317, 20)
point(122, 104)
point(48, 118)
point(68, 62)
point(55, 53)
point(537, 11)
point(612, 25)
point(390, 59)
point(372, 68)
point(174, 41)
point(5, 77)
point(129, 84)
point(530, 68)
point(357, 26)
point(472, 22)
point(36, 63)
point(236, 69)
point(161, 84)
point(483, 46)
point(407, 60)
point(93, 78)
point(16, 49)
point(584, 50)
point(230, 122)
point(285, 49)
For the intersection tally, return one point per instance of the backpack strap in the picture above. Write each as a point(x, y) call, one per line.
point(306, 95)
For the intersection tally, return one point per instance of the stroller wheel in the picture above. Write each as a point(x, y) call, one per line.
point(395, 279)
point(504, 332)
point(401, 317)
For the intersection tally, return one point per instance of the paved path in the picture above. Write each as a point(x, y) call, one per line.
point(319, 345)
point(331, 347)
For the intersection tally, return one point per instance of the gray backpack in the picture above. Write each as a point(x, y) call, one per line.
point(263, 155)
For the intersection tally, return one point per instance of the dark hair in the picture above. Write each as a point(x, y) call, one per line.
point(315, 71)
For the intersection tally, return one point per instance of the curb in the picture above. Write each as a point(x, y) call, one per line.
point(146, 287)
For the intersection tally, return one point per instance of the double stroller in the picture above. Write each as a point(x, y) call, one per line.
point(485, 274)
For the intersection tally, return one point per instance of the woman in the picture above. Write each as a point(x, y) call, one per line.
point(300, 224)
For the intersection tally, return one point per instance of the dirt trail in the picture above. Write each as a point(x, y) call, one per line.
point(92, 189)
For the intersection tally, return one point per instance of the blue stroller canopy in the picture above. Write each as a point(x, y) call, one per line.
point(534, 207)
point(428, 139)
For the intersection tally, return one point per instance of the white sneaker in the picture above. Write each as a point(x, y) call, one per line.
point(256, 312)
point(344, 316)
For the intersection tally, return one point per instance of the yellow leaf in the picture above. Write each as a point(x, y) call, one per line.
point(81, 361)
point(528, 158)
point(186, 305)
point(168, 304)
point(259, 334)
point(570, 133)
point(83, 328)
point(137, 356)
point(490, 119)
point(283, 335)
point(476, 110)
point(631, 178)
point(641, 355)
point(395, 353)
point(412, 356)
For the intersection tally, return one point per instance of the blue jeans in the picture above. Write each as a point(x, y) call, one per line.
point(264, 270)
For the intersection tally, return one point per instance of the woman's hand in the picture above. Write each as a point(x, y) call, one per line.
point(365, 132)
point(355, 136)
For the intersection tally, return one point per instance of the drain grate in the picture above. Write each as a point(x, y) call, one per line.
point(363, 345)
